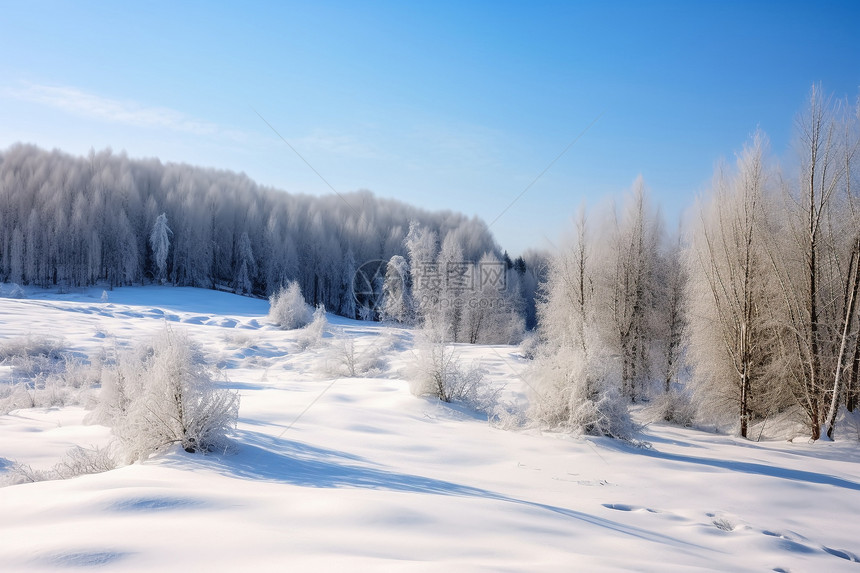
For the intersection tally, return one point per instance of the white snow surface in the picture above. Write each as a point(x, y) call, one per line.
point(356, 474)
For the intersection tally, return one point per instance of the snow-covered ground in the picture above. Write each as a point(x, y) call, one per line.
point(357, 474)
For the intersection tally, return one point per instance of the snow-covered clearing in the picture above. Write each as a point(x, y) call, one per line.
point(357, 474)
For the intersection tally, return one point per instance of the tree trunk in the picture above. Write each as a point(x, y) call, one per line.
point(851, 288)
point(853, 398)
point(745, 391)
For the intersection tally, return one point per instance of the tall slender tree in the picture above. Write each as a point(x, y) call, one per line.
point(159, 240)
point(726, 266)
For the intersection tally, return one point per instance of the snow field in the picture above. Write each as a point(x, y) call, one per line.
point(333, 473)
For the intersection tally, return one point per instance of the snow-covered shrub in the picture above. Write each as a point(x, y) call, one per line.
point(15, 397)
point(15, 291)
point(164, 395)
point(32, 346)
point(345, 359)
point(83, 461)
point(312, 334)
point(437, 372)
point(288, 309)
point(366, 313)
point(43, 373)
point(121, 382)
point(675, 407)
point(575, 395)
point(508, 417)
point(78, 461)
point(529, 345)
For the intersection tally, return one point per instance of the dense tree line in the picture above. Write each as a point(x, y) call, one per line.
point(461, 300)
point(756, 298)
point(105, 218)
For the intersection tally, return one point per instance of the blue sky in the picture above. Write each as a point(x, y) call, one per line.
point(447, 105)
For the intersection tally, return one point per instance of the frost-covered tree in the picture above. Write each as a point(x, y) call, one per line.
point(159, 241)
point(727, 290)
point(17, 257)
point(811, 256)
point(851, 157)
point(34, 256)
point(627, 272)
point(457, 281)
point(575, 387)
point(427, 277)
point(347, 297)
point(492, 310)
point(670, 283)
point(396, 302)
point(246, 266)
point(88, 220)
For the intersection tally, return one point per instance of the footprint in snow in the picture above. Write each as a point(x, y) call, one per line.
point(625, 507)
point(78, 559)
point(796, 543)
point(722, 522)
point(156, 503)
point(842, 554)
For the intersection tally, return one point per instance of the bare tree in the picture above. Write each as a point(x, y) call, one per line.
point(850, 152)
point(725, 266)
point(852, 131)
point(847, 332)
point(630, 260)
point(670, 286)
point(808, 263)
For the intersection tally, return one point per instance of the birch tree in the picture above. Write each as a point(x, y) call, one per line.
point(725, 264)
point(807, 263)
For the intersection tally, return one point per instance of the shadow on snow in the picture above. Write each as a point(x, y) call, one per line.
point(280, 460)
point(741, 467)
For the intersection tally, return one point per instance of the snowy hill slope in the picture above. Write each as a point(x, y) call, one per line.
point(356, 473)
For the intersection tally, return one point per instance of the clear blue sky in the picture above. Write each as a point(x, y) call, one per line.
point(455, 105)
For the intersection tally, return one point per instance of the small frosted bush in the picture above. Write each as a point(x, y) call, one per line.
point(312, 334)
point(288, 309)
point(78, 461)
point(344, 358)
point(164, 395)
point(43, 373)
point(575, 395)
point(437, 372)
point(32, 346)
point(674, 407)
